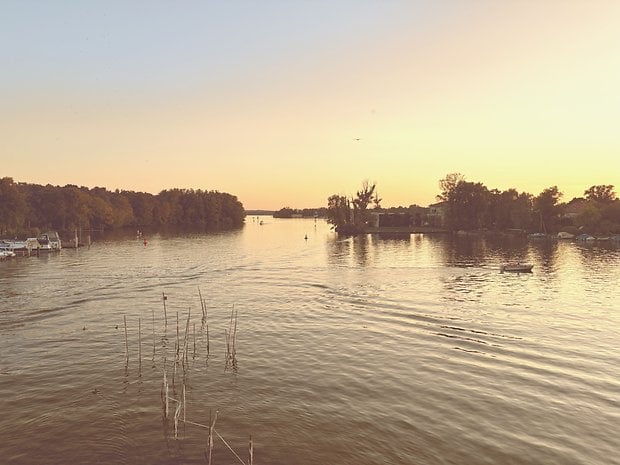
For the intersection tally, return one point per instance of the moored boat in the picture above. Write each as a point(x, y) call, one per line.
point(516, 268)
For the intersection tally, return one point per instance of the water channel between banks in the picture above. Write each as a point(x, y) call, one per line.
point(368, 350)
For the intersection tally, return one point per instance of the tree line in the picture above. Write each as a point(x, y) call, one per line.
point(471, 206)
point(31, 208)
point(288, 212)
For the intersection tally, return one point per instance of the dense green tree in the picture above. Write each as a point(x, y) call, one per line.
point(29, 206)
point(508, 209)
point(590, 219)
point(13, 207)
point(547, 209)
point(338, 210)
point(142, 205)
point(467, 206)
point(286, 212)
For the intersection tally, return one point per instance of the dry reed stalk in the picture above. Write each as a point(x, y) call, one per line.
point(227, 337)
point(166, 405)
point(174, 372)
point(184, 404)
point(153, 310)
point(164, 381)
point(194, 340)
point(177, 346)
point(186, 338)
point(229, 448)
point(251, 452)
point(231, 337)
point(177, 412)
point(126, 342)
point(203, 306)
point(207, 339)
point(234, 341)
point(211, 428)
point(164, 297)
point(139, 345)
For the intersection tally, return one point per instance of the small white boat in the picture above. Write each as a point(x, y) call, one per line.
point(516, 268)
point(4, 254)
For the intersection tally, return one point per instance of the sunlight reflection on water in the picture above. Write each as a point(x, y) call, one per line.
point(366, 350)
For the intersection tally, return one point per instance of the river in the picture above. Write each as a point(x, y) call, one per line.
point(368, 350)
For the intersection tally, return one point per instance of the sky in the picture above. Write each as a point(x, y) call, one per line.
point(284, 102)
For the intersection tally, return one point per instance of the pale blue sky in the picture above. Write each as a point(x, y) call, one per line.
point(265, 99)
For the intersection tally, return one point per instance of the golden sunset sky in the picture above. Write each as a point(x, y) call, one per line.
point(266, 99)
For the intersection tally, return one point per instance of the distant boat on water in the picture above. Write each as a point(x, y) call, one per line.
point(516, 268)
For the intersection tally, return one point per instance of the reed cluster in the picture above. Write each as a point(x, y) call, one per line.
point(174, 389)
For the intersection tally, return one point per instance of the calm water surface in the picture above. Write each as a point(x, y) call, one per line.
point(411, 350)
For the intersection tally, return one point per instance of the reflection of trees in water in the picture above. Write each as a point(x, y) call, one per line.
point(467, 251)
point(364, 249)
point(508, 248)
point(460, 250)
point(598, 257)
point(343, 251)
point(545, 253)
point(338, 250)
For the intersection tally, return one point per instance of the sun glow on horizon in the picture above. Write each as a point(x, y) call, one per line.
point(282, 109)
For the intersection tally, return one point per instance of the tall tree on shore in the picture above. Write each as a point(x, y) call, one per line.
point(468, 204)
point(448, 185)
point(600, 193)
point(547, 208)
point(338, 210)
point(12, 207)
point(361, 201)
point(508, 209)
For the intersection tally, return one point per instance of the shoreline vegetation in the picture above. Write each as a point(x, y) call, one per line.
point(471, 208)
point(29, 209)
point(463, 207)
